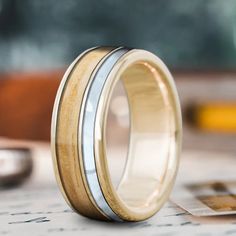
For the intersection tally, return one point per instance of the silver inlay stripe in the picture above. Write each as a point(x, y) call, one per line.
point(88, 126)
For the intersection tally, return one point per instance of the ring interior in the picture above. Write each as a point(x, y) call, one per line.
point(153, 137)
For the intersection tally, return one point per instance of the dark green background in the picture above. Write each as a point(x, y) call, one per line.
point(42, 34)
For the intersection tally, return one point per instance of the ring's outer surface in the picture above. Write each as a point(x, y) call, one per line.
point(78, 133)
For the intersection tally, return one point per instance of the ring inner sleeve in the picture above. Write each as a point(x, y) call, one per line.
point(152, 135)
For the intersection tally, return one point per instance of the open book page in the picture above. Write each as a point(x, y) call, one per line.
point(38, 208)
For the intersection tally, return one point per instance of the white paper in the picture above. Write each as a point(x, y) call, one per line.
point(38, 208)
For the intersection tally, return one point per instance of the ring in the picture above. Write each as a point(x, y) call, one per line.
point(78, 134)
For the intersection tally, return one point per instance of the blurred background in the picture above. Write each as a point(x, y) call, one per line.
point(196, 39)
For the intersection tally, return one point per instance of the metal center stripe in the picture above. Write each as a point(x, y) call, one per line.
point(88, 126)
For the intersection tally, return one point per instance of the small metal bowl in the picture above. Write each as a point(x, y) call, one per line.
point(16, 165)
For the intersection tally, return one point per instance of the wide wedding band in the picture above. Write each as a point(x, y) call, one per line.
point(79, 128)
